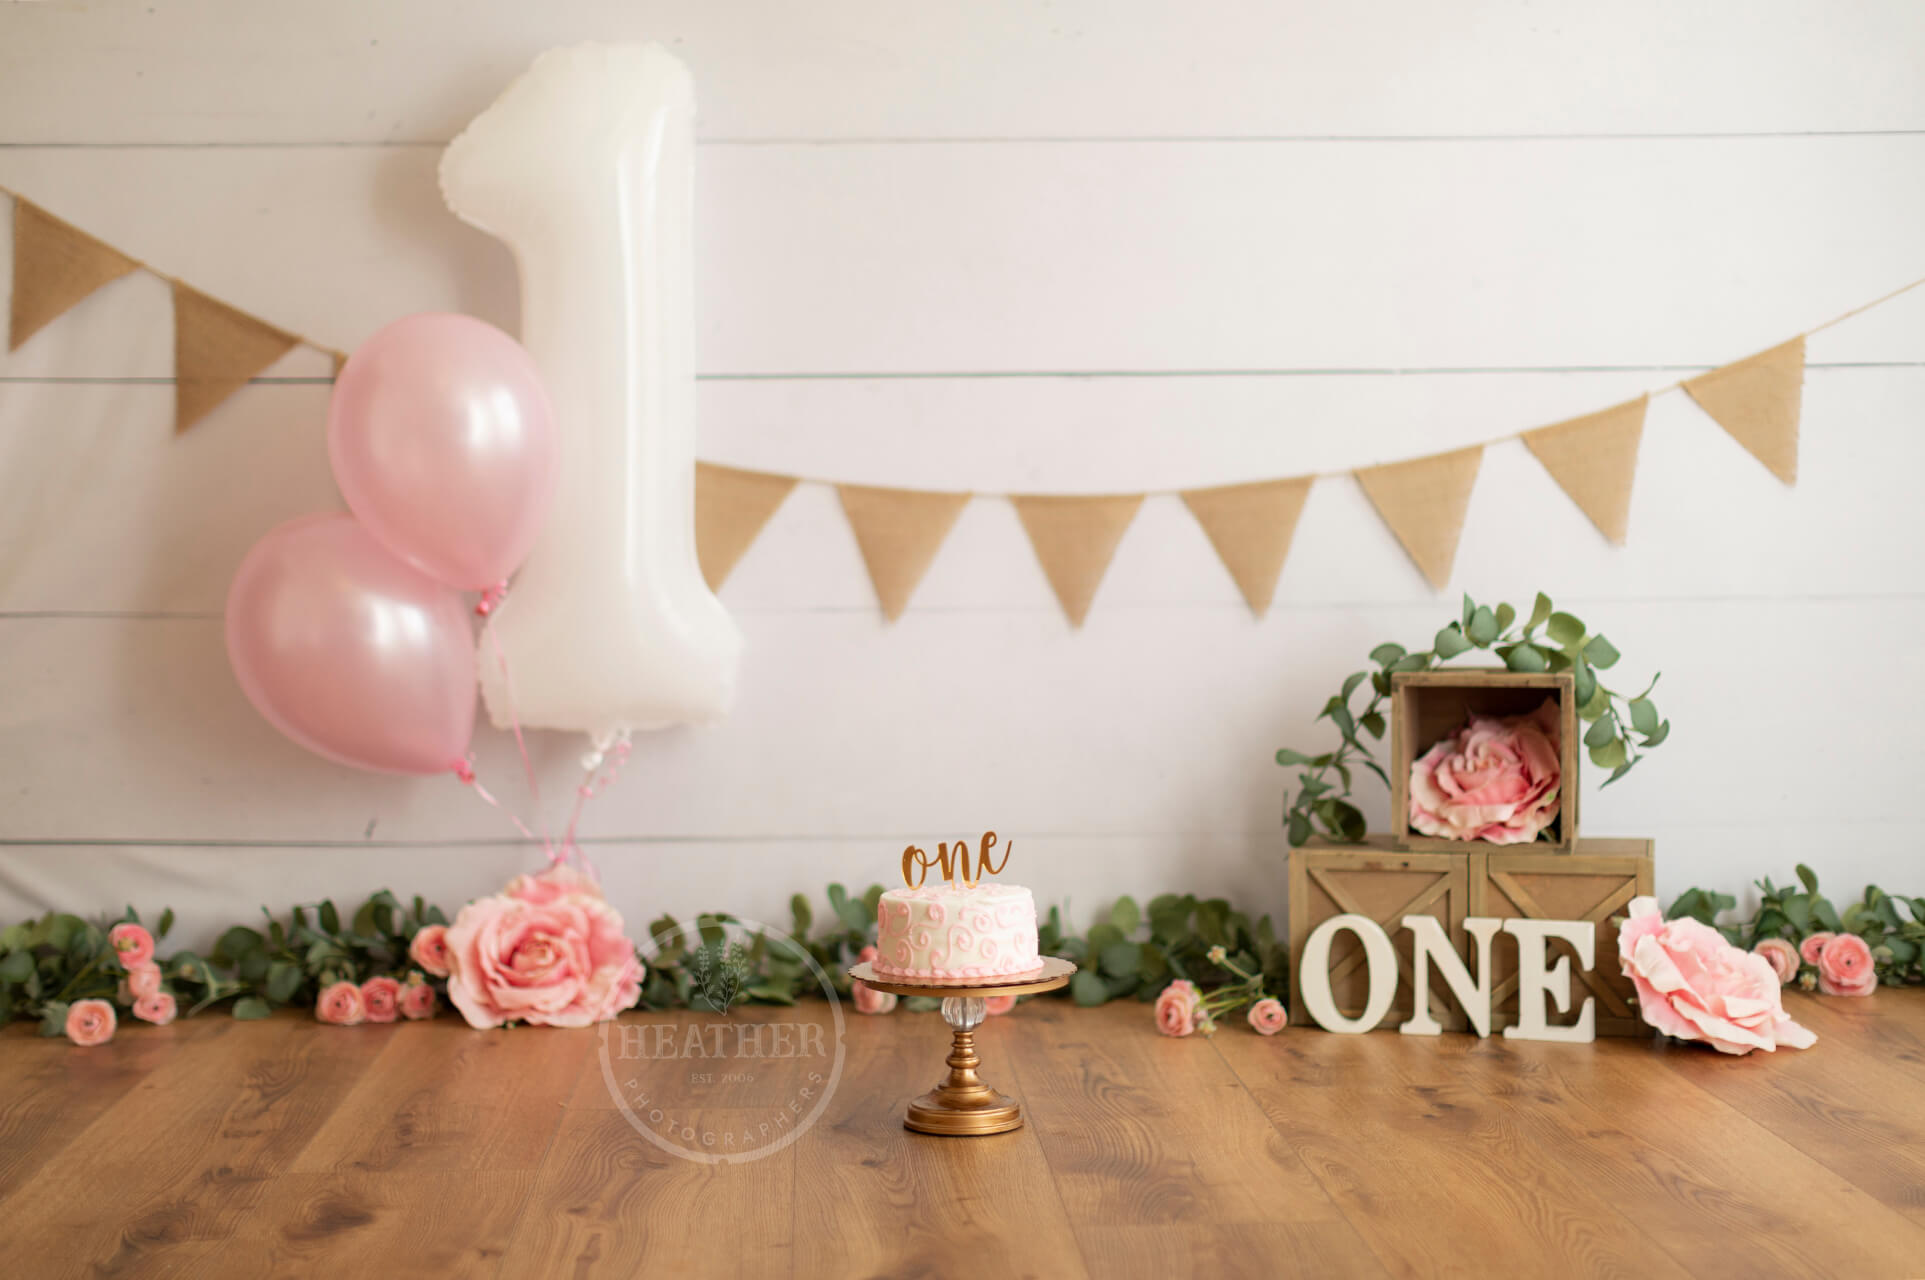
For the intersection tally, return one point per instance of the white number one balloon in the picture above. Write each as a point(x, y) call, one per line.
point(585, 167)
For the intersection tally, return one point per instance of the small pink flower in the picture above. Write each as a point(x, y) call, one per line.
point(1267, 1016)
point(430, 949)
point(90, 1022)
point(382, 999)
point(143, 980)
point(158, 1008)
point(1845, 967)
point(867, 998)
point(341, 1005)
point(996, 1006)
point(1496, 779)
point(1176, 1008)
point(1694, 985)
point(417, 1001)
point(1782, 955)
point(132, 944)
point(1811, 947)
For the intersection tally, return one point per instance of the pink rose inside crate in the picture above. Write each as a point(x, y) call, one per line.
point(1483, 758)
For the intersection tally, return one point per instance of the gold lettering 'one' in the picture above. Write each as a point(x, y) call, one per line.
point(954, 862)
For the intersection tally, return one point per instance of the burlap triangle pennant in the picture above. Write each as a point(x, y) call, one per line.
point(54, 266)
point(899, 532)
point(731, 507)
point(1757, 401)
point(1250, 526)
point(1423, 501)
point(1594, 459)
point(216, 350)
point(1075, 539)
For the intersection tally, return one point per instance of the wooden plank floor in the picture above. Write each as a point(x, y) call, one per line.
point(285, 1148)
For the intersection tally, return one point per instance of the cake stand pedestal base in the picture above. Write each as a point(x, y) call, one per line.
point(963, 1104)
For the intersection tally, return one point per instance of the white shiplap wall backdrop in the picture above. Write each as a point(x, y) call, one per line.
point(1077, 246)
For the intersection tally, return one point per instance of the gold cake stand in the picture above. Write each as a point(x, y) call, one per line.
point(962, 1105)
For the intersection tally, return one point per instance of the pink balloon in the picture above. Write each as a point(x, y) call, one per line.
point(444, 445)
point(350, 652)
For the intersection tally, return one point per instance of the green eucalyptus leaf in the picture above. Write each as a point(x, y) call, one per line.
point(1286, 756)
point(1102, 936)
point(1610, 755)
point(1662, 732)
point(1644, 717)
point(1526, 657)
point(1560, 660)
point(1299, 830)
point(17, 967)
point(1600, 653)
point(1125, 915)
point(1088, 989)
point(799, 909)
point(1601, 732)
point(1373, 723)
point(1808, 878)
point(166, 923)
point(1450, 642)
point(1385, 654)
point(1121, 959)
point(1470, 607)
point(330, 918)
point(1351, 682)
point(1411, 662)
point(1585, 681)
point(283, 980)
point(1505, 616)
point(249, 1008)
point(1565, 629)
point(1539, 612)
point(1482, 628)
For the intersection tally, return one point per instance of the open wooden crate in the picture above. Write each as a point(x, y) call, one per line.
point(1427, 706)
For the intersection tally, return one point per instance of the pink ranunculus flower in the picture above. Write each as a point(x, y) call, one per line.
point(132, 944)
point(417, 1001)
point(1694, 985)
point(1809, 949)
point(143, 980)
point(1176, 1008)
point(996, 1006)
point(565, 963)
point(1267, 1016)
point(341, 1005)
point(557, 882)
point(90, 1022)
point(1496, 779)
point(158, 1008)
point(429, 949)
point(1845, 967)
point(866, 998)
point(381, 997)
point(1782, 956)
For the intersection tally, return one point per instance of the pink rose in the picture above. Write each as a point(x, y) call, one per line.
point(381, 997)
point(1694, 985)
point(1809, 949)
point(157, 1008)
point(1781, 955)
point(90, 1022)
point(1176, 1008)
point(564, 963)
point(1845, 967)
point(341, 1005)
point(557, 882)
point(1496, 779)
point(429, 949)
point(417, 1001)
point(867, 998)
point(1267, 1016)
point(132, 944)
point(143, 980)
point(996, 1006)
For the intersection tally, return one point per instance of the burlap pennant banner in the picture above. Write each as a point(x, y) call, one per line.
point(731, 506)
point(899, 532)
point(1757, 400)
point(1423, 501)
point(1250, 525)
point(217, 350)
point(1075, 539)
point(55, 265)
point(1594, 459)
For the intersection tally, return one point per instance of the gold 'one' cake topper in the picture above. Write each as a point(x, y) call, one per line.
point(916, 863)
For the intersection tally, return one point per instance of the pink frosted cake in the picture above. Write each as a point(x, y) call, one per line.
point(951, 931)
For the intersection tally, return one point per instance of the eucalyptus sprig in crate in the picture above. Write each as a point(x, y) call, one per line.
point(1622, 727)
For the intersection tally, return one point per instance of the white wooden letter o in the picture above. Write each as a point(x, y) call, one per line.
point(1313, 974)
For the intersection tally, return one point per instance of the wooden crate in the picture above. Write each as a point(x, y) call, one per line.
point(1425, 706)
point(1378, 880)
point(1595, 883)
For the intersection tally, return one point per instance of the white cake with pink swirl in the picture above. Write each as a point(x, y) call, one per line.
point(950, 932)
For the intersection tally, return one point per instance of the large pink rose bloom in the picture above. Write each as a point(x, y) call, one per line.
point(564, 963)
point(1494, 779)
point(1694, 985)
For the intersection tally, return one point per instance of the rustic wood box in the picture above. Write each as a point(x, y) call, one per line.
point(1385, 883)
point(1425, 706)
point(1379, 880)
point(1595, 883)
